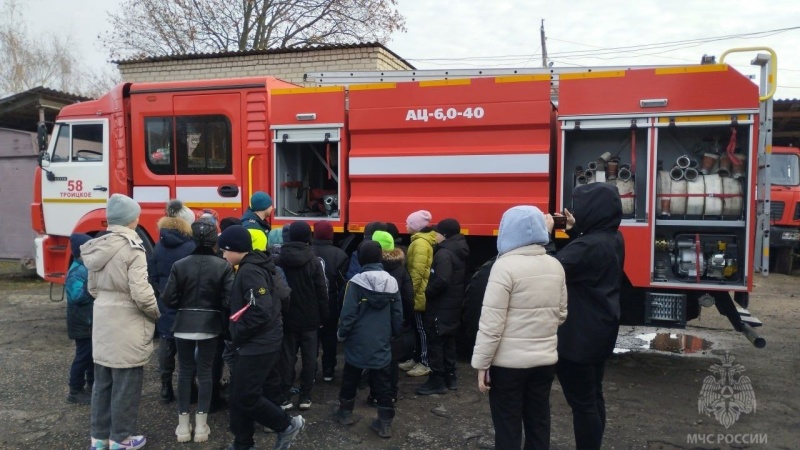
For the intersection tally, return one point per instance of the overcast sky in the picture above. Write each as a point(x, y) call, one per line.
point(505, 33)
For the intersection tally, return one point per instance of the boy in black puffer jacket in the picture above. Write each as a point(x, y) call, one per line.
point(335, 269)
point(256, 340)
point(307, 311)
point(444, 302)
point(371, 316)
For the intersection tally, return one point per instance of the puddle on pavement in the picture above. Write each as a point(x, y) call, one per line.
point(674, 342)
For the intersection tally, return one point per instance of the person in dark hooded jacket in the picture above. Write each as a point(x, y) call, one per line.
point(444, 302)
point(307, 312)
point(335, 270)
point(355, 266)
point(371, 316)
point(79, 323)
point(593, 264)
point(174, 243)
point(256, 342)
point(393, 260)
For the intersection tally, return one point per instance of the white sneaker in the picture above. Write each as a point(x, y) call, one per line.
point(420, 370)
point(407, 365)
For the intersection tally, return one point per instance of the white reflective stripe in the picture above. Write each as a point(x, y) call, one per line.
point(151, 194)
point(207, 194)
point(450, 165)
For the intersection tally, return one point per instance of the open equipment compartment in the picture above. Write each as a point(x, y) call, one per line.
point(702, 190)
point(610, 151)
point(307, 175)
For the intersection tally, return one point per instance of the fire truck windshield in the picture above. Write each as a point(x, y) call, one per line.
point(784, 170)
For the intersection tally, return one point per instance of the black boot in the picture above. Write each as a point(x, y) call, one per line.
point(344, 412)
point(451, 381)
point(383, 424)
point(167, 393)
point(218, 402)
point(79, 397)
point(434, 385)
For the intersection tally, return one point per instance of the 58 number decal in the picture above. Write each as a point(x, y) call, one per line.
point(74, 185)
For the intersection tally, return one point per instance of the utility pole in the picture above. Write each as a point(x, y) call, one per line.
point(544, 46)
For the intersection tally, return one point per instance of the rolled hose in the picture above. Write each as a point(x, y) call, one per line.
point(624, 174)
point(676, 173)
point(683, 161)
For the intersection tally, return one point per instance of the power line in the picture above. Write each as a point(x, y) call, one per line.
point(669, 46)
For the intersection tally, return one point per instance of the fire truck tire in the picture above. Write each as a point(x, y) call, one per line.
point(147, 243)
point(783, 260)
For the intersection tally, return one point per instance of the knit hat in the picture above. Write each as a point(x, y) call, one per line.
point(448, 228)
point(521, 226)
point(323, 231)
point(121, 210)
point(229, 222)
point(204, 233)
point(369, 252)
point(235, 238)
point(260, 201)
point(175, 208)
point(394, 231)
point(419, 220)
point(75, 242)
point(372, 227)
point(300, 232)
point(384, 239)
point(275, 236)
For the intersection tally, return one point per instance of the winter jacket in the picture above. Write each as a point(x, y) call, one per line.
point(308, 307)
point(445, 292)
point(593, 263)
point(175, 243)
point(473, 301)
point(125, 308)
point(525, 302)
point(335, 270)
point(250, 220)
point(394, 263)
point(79, 302)
point(419, 261)
point(371, 315)
point(354, 268)
point(257, 273)
point(198, 287)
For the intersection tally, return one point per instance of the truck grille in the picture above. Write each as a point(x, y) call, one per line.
point(660, 307)
point(776, 210)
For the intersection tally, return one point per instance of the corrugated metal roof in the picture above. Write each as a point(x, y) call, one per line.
point(268, 51)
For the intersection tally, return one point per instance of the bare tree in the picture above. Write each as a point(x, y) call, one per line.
point(26, 62)
point(158, 27)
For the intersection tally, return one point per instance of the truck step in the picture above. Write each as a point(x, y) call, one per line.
point(743, 312)
point(752, 321)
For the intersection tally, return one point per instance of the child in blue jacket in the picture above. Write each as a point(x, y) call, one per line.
point(79, 324)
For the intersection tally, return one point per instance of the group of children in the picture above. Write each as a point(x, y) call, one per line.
point(280, 292)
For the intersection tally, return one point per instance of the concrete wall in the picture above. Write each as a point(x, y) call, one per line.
point(17, 166)
point(287, 66)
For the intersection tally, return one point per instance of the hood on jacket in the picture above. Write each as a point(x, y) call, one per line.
point(596, 207)
point(296, 254)
point(265, 261)
point(374, 278)
point(99, 251)
point(520, 226)
point(429, 236)
point(392, 259)
point(174, 231)
point(457, 244)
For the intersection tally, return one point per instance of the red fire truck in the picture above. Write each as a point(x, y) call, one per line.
point(687, 147)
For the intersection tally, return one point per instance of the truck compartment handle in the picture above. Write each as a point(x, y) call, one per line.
point(228, 190)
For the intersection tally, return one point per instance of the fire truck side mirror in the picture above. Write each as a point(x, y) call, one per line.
point(41, 136)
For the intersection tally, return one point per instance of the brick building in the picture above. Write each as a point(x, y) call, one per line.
point(289, 64)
